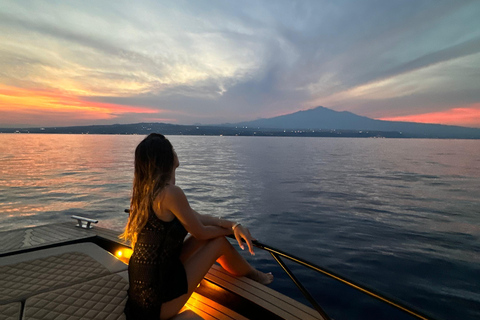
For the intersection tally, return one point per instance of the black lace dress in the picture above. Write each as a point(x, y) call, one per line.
point(155, 272)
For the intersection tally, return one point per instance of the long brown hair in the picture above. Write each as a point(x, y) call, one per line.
point(154, 161)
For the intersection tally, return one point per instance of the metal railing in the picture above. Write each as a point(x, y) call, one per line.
point(278, 254)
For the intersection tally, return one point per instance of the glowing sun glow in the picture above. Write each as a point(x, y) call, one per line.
point(35, 101)
point(465, 116)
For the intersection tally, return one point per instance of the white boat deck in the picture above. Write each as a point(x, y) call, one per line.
point(80, 280)
point(49, 235)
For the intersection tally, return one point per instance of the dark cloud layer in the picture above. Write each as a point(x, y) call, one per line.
point(217, 61)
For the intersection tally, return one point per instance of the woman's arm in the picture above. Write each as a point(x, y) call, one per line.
point(209, 220)
point(239, 231)
point(176, 202)
point(203, 226)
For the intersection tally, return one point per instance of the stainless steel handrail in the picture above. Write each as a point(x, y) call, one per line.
point(276, 253)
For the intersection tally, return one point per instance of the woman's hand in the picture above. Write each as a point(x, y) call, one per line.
point(240, 233)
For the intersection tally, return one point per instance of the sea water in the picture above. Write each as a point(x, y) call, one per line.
point(401, 216)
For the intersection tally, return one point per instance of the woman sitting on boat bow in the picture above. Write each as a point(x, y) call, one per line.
point(164, 268)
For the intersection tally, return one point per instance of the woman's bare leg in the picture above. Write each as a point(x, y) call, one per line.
point(190, 246)
point(235, 264)
point(198, 264)
point(229, 259)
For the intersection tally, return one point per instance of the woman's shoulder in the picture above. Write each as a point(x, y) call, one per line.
point(172, 192)
point(169, 199)
point(174, 200)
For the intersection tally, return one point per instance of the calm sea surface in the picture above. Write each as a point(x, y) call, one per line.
point(400, 216)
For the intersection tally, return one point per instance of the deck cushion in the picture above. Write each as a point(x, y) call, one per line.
point(21, 280)
point(103, 298)
point(10, 311)
point(14, 240)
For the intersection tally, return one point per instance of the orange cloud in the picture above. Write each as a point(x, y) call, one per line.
point(15, 100)
point(465, 116)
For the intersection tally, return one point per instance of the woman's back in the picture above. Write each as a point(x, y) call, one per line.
point(156, 273)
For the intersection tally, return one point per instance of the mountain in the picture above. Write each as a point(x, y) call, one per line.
point(322, 118)
point(317, 122)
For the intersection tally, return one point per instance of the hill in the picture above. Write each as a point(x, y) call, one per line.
point(321, 118)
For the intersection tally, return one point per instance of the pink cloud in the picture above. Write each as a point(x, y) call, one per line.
point(462, 116)
point(47, 106)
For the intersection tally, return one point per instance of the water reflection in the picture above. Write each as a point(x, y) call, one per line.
point(63, 173)
point(391, 213)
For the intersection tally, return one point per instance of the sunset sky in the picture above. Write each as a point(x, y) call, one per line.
point(85, 62)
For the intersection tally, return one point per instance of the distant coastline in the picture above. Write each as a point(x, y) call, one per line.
point(171, 129)
point(316, 122)
point(199, 130)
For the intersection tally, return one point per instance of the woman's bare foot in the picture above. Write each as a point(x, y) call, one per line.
point(260, 277)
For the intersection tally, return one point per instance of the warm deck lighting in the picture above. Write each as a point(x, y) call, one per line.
point(124, 254)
